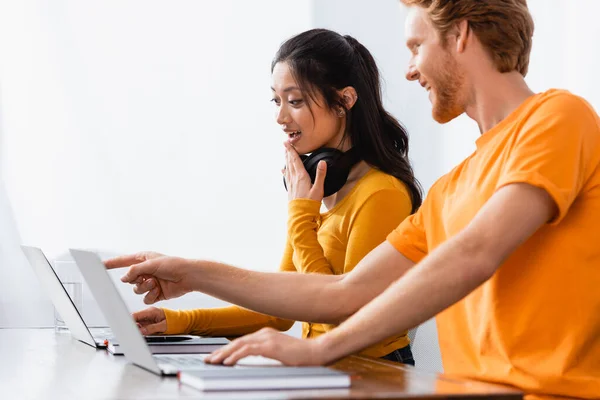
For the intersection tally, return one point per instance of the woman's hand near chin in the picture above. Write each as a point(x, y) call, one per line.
point(297, 179)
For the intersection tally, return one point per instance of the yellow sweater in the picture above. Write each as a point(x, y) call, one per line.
point(325, 243)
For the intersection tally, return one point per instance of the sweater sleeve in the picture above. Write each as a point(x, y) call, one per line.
point(303, 224)
point(227, 321)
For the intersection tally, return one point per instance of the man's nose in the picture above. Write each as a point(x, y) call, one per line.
point(412, 74)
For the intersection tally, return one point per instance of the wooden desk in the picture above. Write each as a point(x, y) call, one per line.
point(41, 364)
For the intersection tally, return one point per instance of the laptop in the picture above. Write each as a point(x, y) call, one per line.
point(103, 338)
point(128, 335)
point(95, 337)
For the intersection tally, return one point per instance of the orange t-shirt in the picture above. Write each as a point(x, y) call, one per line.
point(536, 323)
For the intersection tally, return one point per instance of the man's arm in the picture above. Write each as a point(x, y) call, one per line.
point(448, 274)
point(289, 295)
point(303, 297)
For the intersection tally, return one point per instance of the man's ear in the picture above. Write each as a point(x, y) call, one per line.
point(348, 96)
point(462, 34)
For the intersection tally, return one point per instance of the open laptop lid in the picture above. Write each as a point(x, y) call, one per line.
point(59, 296)
point(115, 310)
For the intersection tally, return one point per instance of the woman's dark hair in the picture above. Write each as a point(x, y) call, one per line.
point(322, 61)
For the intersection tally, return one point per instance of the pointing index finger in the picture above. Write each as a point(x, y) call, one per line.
point(121, 261)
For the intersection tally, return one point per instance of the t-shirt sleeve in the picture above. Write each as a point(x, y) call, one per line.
point(556, 150)
point(409, 237)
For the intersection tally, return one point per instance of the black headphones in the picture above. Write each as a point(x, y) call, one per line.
point(338, 162)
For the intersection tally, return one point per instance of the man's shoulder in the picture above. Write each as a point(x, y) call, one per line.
point(561, 102)
point(558, 115)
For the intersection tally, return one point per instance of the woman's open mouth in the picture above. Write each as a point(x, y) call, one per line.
point(294, 136)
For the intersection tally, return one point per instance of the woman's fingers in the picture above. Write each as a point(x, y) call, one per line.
point(289, 165)
point(151, 329)
point(294, 159)
point(319, 184)
point(150, 314)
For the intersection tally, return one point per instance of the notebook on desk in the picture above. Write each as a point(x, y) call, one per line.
point(276, 378)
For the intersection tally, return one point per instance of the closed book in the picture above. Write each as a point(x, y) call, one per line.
point(265, 378)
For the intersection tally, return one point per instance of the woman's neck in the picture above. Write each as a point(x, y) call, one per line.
point(356, 172)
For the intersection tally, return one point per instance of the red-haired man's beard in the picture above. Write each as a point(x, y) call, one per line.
point(445, 91)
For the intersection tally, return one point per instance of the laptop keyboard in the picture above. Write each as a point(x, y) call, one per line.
point(185, 361)
point(181, 361)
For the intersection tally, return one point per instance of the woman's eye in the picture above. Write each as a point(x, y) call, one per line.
point(295, 102)
point(276, 101)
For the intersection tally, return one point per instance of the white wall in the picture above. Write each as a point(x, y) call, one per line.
point(132, 125)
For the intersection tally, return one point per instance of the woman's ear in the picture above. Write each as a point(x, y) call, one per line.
point(348, 96)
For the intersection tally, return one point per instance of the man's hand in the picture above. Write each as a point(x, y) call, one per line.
point(270, 343)
point(160, 277)
point(151, 320)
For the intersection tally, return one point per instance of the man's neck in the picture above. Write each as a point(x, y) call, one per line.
point(494, 97)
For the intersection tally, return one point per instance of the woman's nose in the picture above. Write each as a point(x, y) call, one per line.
point(282, 116)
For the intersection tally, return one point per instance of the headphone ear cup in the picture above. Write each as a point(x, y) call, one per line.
point(335, 178)
point(312, 161)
